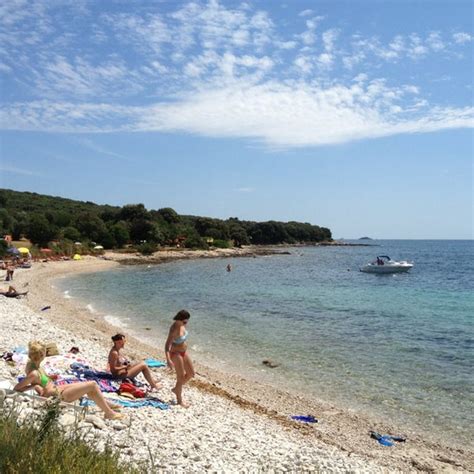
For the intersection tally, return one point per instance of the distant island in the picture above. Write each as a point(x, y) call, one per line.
point(365, 238)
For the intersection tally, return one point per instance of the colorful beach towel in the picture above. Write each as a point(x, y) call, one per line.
point(147, 402)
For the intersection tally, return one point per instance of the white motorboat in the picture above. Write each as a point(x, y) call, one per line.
point(384, 264)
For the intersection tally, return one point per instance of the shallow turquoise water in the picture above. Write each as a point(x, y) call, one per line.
point(400, 346)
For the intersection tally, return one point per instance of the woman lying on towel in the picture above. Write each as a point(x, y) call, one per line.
point(12, 293)
point(122, 368)
point(37, 379)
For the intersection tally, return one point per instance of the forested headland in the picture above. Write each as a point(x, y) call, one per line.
point(55, 221)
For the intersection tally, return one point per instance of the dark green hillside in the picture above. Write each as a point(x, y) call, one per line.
point(43, 219)
point(16, 201)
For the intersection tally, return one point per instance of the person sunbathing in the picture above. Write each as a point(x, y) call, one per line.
point(12, 293)
point(37, 379)
point(122, 368)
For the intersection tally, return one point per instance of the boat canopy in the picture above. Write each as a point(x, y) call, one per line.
point(384, 256)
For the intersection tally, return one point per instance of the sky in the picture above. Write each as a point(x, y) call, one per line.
point(353, 115)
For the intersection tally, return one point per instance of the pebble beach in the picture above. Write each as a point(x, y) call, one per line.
point(233, 425)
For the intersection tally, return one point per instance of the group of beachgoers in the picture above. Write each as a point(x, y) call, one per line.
point(120, 367)
point(9, 266)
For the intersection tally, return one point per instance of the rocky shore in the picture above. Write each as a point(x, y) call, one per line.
point(233, 425)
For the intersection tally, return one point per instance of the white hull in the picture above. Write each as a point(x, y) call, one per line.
point(384, 264)
point(383, 269)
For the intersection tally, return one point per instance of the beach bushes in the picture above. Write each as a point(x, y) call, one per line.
point(221, 244)
point(41, 448)
point(147, 248)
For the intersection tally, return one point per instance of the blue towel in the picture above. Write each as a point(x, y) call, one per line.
point(304, 418)
point(154, 363)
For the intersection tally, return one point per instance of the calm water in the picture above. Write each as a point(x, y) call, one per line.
point(399, 346)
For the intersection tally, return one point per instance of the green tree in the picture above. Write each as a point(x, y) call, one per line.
point(20, 225)
point(169, 215)
point(132, 212)
point(6, 222)
point(3, 247)
point(91, 226)
point(142, 229)
point(3, 198)
point(120, 233)
point(40, 231)
point(71, 233)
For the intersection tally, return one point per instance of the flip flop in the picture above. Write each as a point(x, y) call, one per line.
point(384, 440)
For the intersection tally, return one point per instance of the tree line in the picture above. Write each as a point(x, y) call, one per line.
point(43, 219)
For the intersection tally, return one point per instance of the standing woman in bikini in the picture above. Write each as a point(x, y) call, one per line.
point(37, 379)
point(176, 355)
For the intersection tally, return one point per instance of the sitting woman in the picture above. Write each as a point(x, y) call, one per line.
point(122, 368)
point(12, 293)
point(37, 379)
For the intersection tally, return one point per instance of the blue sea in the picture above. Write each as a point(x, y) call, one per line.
point(397, 346)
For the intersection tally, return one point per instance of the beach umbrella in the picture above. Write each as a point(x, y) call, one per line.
point(77, 243)
point(98, 247)
point(77, 257)
point(23, 250)
point(13, 250)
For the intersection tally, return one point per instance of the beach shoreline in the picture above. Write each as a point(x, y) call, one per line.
point(340, 430)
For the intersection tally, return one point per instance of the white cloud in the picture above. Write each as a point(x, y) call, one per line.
point(462, 38)
point(304, 63)
point(91, 145)
point(325, 60)
point(279, 115)
point(435, 42)
point(20, 171)
point(416, 47)
point(80, 78)
point(214, 70)
point(245, 190)
point(329, 38)
point(289, 116)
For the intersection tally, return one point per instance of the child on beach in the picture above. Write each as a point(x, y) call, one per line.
point(122, 368)
point(176, 355)
point(37, 379)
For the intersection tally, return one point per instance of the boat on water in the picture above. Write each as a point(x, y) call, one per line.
point(384, 264)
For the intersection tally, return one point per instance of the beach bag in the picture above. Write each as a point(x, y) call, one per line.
point(51, 349)
point(130, 388)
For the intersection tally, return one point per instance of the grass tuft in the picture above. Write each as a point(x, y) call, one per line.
point(41, 448)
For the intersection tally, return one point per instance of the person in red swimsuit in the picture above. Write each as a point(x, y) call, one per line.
point(176, 355)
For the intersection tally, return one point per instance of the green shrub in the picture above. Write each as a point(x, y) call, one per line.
point(147, 248)
point(44, 450)
point(3, 247)
point(221, 244)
